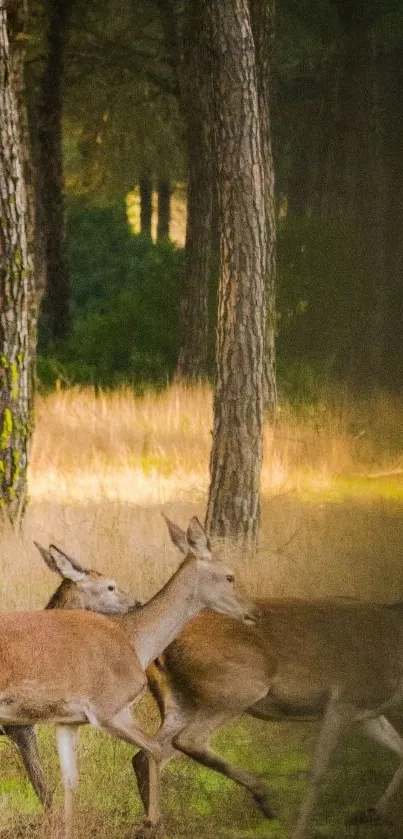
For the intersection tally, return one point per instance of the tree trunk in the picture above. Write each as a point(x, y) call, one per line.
point(15, 289)
point(146, 193)
point(57, 297)
point(164, 209)
point(236, 457)
point(262, 19)
point(195, 95)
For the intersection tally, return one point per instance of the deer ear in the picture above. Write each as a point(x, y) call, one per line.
point(177, 535)
point(66, 566)
point(198, 539)
point(47, 557)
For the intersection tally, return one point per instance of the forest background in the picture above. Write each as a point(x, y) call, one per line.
point(336, 127)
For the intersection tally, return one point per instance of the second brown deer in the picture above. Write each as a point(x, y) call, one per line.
point(338, 660)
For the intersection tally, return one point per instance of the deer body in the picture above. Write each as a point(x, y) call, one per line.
point(339, 660)
point(52, 667)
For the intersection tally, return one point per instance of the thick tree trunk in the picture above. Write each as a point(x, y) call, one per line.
point(262, 19)
point(57, 298)
point(196, 94)
point(236, 457)
point(164, 209)
point(34, 220)
point(146, 194)
point(15, 291)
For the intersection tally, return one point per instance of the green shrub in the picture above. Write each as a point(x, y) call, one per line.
point(124, 305)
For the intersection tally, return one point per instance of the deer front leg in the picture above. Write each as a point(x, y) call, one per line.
point(337, 720)
point(123, 725)
point(381, 730)
point(174, 721)
point(67, 738)
point(24, 738)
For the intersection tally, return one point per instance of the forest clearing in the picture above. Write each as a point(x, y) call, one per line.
point(103, 468)
point(201, 213)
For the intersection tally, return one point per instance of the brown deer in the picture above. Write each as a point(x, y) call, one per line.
point(340, 660)
point(80, 588)
point(71, 668)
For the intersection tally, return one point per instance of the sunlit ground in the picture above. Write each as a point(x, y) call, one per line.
point(102, 469)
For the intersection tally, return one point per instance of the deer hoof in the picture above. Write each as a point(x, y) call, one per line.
point(149, 830)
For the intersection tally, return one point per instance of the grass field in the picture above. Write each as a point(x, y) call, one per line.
point(102, 469)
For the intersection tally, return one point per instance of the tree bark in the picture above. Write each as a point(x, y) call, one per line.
point(164, 209)
point(57, 297)
point(195, 99)
point(236, 456)
point(262, 20)
point(17, 24)
point(15, 289)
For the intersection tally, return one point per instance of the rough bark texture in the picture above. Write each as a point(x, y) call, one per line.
point(236, 457)
point(34, 221)
point(57, 299)
point(15, 286)
point(195, 97)
point(262, 19)
point(164, 209)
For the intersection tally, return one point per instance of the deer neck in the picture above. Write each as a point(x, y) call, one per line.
point(153, 626)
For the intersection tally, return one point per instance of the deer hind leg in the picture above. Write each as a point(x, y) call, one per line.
point(24, 738)
point(124, 726)
point(193, 741)
point(381, 730)
point(175, 718)
point(336, 722)
point(67, 738)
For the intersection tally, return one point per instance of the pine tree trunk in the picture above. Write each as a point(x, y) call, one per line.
point(236, 457)
point(164, 209)
point(15, 289)
point(146, 193)
point(262, 20)
point(195, 95)
point(57, 297)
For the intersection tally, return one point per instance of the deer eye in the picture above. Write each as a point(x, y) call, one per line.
point(111, 588)
point(230, 578)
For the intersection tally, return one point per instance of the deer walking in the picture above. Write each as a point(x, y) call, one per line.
point(80, 588)
point(338, 660)
point(71, 668)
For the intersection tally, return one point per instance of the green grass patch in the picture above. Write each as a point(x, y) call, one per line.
point(346, 487)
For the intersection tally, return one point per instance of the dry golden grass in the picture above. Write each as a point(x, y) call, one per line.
point(104, 466)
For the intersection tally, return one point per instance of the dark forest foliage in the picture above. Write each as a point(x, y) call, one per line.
point(124, 305)
point(337, 105)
